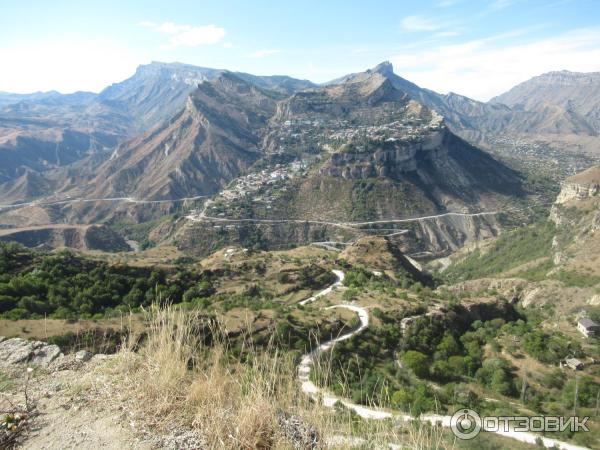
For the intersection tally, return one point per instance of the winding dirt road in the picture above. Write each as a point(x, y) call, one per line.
point(368, 412)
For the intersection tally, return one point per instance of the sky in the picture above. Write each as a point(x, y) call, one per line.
point(475, 48)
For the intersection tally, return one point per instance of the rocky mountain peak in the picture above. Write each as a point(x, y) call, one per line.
point(385, 68)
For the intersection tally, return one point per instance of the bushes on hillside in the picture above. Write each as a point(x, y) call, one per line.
point(62, 285)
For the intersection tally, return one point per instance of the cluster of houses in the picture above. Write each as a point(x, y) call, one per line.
point(253, 182)
point(304, 132)
point(531, 153)
point(261, 186)
point(396, 131)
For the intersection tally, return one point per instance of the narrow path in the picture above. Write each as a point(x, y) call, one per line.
point(370, 412)
point(340, 280)
point(203, 217)
point(356, 226)
point(91, 200)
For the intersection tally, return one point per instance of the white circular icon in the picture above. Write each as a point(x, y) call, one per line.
point(465, 424)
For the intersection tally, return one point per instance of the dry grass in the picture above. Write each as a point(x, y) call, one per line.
point(231, 404)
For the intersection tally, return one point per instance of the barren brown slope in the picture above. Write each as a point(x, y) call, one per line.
point(574, 94)
point(213, 139)
point(82, 237)
point(589, 176)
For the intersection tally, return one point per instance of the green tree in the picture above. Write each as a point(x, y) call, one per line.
point(587, 390)
point(417, 362)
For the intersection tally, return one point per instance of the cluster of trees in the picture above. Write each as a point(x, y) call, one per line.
point(391, 368)
point(358, 279)
point(384, 365)
point(314, 277)
point(63, 285)
point(546, 348)
point(434, 350)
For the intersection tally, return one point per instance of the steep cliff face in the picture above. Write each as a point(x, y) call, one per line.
point(576, 214)
point(581, 186)
point(434, 173)
point(390, 158)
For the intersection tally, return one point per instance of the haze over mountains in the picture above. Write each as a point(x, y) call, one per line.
point(564, 94)
point(209, 134)
point(367, 146)
point(47, 130)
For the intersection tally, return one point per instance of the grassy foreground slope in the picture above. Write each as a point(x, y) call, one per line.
point(512, 249)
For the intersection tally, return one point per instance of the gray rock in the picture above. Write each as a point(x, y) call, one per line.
point(83, 356)
point(22, 351)
point(45, 354)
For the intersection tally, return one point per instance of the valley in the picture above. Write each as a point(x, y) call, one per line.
point(267, 262)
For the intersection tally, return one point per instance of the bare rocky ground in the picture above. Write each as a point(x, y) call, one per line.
point(52, 401)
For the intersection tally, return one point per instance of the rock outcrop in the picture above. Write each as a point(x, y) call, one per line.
point(21, 351)
point(581, 186)
point(392, 158)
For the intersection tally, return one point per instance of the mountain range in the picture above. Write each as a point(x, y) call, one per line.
point(44, 131)
point(369, 146)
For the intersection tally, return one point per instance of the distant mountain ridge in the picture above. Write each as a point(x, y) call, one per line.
point(46, 131)
point(210, 141)
point(504, 115)
point(42, 132)
point(570, 94)
point(293, 154)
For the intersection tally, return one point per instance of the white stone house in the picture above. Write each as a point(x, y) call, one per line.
point(588, 327)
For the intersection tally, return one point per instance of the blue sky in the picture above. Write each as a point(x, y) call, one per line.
point(476, 48)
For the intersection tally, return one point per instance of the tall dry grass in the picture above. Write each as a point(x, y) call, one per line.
point(231, 404)
point(176, 379)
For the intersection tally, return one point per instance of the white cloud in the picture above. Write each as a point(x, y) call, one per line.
point(263, 53)
point(420, 23)
point(187, 35)
point(172, 28)
point(482, 68)
point(227, 45)
point(66, 65)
